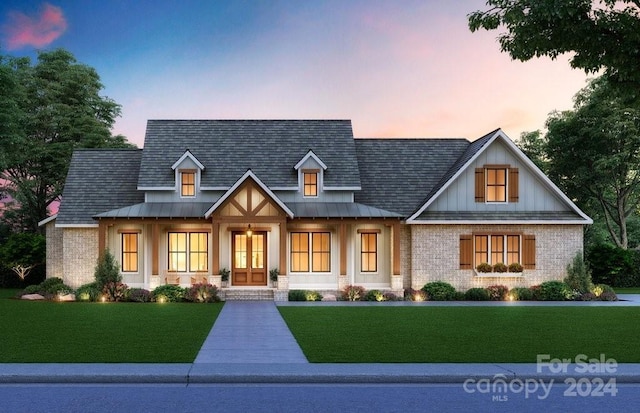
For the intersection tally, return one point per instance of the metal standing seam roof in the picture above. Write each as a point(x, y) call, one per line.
point(338, 210)
point(159, 210)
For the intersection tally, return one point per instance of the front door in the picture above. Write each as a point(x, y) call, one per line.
point(249, 266)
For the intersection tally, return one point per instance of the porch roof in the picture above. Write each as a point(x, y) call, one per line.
point(159, 210)
point(338, 210)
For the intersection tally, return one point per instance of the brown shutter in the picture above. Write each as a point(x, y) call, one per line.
point(529, 252)
point(479, 184)
point(466, 252)
point(513, 184)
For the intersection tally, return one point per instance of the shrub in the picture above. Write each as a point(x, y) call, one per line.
point(484, 267)
point(374, 295)
point(89, 292)
point(536, 292)
point(353, 293)
point(313, 296)
point(500, 267)
point(202, 293)
point(169, 293)
point(497, 292)
point(107, 270)
point(476, 294)
point(140, 295)
point(51, 285)
point(415, 295)
point(608, 296)
point(459, 296)
point(439, 291)
point(614, 266)
point(515, 267)
point(589, 296)
point(30, 289)
point(521, 294)
point(578, 275)
point(554, 291)
point(297, 295)
point(389, 296)
point(600, 289)
point(115, 291)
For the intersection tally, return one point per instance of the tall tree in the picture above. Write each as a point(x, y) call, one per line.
point(46, 111)
point(594, 154)
point(601, 34)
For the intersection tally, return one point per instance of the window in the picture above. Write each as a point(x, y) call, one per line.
point(496, 183)
point(369, 252)
point(493, 249)
point(188, 250)
point(129, 252)
point(310, 183)
point(187, 183)
point(310, 250)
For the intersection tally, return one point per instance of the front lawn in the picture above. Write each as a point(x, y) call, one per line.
point(628, 290)
point(463, 334)
point(51, 332)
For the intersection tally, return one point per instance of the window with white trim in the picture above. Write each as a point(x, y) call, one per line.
point(188, 250)
point(493, 249)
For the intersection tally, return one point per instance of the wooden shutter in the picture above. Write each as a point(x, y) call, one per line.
point(529, 252)
point(466, 252)
point(513, 184)
point(480, 187)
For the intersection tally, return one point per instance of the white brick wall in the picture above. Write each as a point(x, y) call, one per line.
point(80, 252)
point(436, 254)
point(54, 250)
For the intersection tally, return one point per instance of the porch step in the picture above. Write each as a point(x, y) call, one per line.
point(247, 294)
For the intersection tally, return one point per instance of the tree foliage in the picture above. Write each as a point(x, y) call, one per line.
point(601, 34)
point(107, 270)
point(22, 252)
point(47, 110)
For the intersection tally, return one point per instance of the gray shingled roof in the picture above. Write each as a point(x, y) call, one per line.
point(270, 148)
point(397, 174)
point(337, 210)
point(99, 180)
point(159, 210)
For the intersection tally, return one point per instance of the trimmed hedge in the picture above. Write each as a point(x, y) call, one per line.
point(614, 266)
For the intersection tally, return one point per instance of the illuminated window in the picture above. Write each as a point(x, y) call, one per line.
point(493, 249)
point(310, 183)
point(310, 250)
point(129, 252)
point(188, 183)
point(496, 184)
point(188, 250)
point(369, 252)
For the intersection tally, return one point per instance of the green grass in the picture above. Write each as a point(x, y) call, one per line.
point(629, 290)
point(50, 332)
point(463, 334)
point(8, 292)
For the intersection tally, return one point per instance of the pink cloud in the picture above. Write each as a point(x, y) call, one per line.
point(37, 31)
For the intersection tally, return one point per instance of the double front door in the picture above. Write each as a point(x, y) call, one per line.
point(249, 258)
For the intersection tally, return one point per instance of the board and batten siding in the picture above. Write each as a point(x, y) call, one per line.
point(533, 194)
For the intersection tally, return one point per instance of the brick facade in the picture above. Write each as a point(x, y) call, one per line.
point(80, 252)
point(55, 266)
point(436, 248)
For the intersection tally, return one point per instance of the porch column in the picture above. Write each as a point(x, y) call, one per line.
point(155, 246)
point(342, 279)
point(102, 237)
point(283, 247)
point(396, 277)
point(215, 248)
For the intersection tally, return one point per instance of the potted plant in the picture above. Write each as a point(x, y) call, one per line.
point(484, 267)
point(515, 267)
point(273, 276)
point(500, 267)
point(224, 276)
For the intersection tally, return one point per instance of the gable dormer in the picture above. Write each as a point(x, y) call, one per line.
point(310, 175)
point(188, 173)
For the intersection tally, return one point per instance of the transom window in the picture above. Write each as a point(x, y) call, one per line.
point(493, 249)
point(496, 184)
point(369, 252)
point(188, 250)
point(310, 183)
point(310, 250)
point(129, 252)
point(187, 183)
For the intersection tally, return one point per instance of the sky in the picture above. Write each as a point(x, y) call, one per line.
point(396, 68)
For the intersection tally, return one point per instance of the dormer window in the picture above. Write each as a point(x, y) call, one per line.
point(310, 183)
point(496, 184)
point(187, 183)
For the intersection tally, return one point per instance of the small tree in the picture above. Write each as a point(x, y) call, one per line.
point(22, 252)
point(578, 275)
point(107, 270)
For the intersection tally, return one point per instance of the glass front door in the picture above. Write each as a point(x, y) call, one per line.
point(249, 259)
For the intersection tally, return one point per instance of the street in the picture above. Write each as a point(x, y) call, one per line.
point(48, 398)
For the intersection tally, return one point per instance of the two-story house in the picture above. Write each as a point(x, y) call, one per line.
point(306, 198)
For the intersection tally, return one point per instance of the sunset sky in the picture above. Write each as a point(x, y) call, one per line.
point(395, 68)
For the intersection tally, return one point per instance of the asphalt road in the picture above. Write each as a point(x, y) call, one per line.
point(48, 398)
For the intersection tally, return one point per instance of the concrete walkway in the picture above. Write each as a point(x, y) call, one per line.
point(250, 332)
